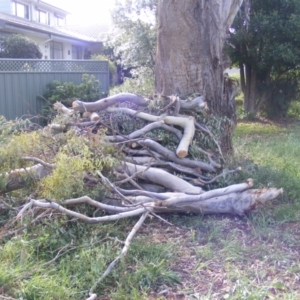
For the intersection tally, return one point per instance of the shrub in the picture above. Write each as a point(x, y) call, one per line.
point(67, 92)
point(294, 110)
point(112, 68)
point(18, 46)
point(283, 94)
point(142, 82)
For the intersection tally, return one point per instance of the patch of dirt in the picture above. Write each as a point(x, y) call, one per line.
point(270, 260)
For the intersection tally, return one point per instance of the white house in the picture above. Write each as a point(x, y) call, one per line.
point(46, 25)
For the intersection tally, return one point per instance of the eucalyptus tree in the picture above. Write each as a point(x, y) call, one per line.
point(190, 57)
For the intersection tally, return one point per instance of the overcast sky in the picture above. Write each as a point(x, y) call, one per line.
point(85, 11)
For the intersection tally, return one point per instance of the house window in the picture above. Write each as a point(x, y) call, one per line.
point(56, 50)
point(60, 21)
point(42, 17)
point(76, 52)
point(20, 10)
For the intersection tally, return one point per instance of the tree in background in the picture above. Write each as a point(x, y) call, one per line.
point(133, 37)
point(18, 46)
point(267, 51)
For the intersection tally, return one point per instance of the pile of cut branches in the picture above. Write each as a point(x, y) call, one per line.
point(144, 156)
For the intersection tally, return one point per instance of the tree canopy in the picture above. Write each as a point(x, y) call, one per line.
point(133, 37)
point(18, 46)
point(267, 50)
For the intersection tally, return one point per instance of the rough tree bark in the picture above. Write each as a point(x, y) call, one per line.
point(190, 57)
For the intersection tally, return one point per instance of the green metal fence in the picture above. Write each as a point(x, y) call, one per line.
point(22, 80)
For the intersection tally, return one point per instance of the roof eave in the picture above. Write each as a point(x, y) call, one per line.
point(28, 28)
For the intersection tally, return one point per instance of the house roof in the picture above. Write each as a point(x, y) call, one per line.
point(10, 21)
point(92, 30)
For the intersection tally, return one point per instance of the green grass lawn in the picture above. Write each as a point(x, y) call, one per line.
point(200, 257)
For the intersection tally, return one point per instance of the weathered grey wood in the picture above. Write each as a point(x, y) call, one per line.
point(159, 177)
point(102, 104)
point(17, 179)
point(185, 122)
point(168, 154)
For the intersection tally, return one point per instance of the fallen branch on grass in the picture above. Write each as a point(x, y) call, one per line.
point(236, 199)
point(159, 166)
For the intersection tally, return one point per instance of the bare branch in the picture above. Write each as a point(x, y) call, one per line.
point(221, 175)
point(235, 188)
point(144, 130)
point(185, 122)
point(39, 161)
point(112, 187)
point(106, 102)
point(46, 204)
point(123, 253)
point(128, 179)
point(166, 153)
point(60, 107)
point(161, 177)
point(204, 129)
point(86, 199)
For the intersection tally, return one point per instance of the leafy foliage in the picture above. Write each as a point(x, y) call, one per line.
point(294, 110)
point(111, 67)
point(142, 83)
point(85, 155)
point(20, 145)
point(285, 89)
point(67, 92)
point(8, 128)
point(267, 50)
point(133, 36)
point(18, 46)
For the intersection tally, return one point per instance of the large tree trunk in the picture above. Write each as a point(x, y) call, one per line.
point(190, 58)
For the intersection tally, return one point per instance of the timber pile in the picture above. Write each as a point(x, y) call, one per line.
point(152, 178)
point(163, 180)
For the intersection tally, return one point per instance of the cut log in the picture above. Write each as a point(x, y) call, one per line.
point(160, 177)
point(60, 107)
point(18, 178)
point(232, 203)
point(102, 104)
point(94, 117)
